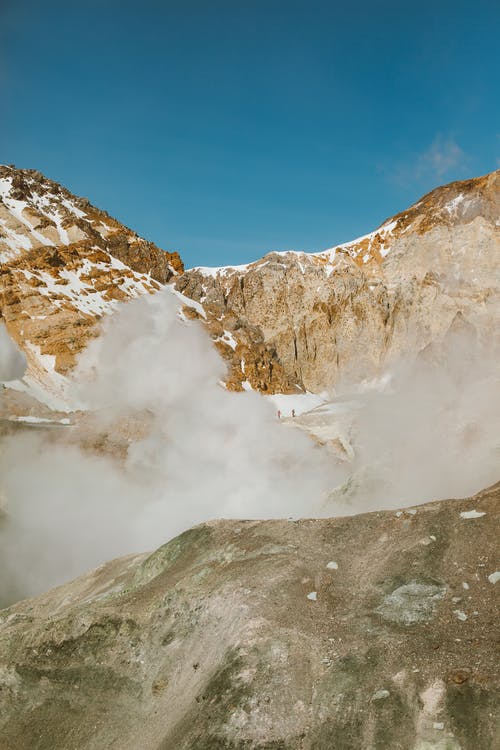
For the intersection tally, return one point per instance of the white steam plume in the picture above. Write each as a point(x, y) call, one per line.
point(209, 453)
point(432, 432)
point(12, 360)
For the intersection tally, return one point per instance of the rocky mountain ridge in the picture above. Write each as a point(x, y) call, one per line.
point(296, 320)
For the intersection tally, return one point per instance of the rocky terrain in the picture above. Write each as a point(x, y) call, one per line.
point(64, 264)
point(376, 631)
point(305, 320)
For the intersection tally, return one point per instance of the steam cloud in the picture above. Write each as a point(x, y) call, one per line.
point(208, 453)
point(12, 361)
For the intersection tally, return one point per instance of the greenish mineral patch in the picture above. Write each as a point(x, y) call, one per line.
point(193, 540)
point(411, 603)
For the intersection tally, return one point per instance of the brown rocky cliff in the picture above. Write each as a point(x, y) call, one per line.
point(355, 307)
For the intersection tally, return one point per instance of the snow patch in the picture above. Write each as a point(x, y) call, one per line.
point(453, 205)
point(299, 402)
point(29, 419)
point(214, 271)
point(188, 302)
point(472, 514)
point(228, 338)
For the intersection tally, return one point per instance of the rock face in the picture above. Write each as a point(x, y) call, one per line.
point(375, 631)
point(65, 263)
point(296, 319)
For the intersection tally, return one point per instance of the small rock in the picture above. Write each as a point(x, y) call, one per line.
point(380, 695)
point(461, 615)
point(313, 596)
point(459, 677)
point(438, 725)
point(494, 577)
point(332, 565)
point(159, 686)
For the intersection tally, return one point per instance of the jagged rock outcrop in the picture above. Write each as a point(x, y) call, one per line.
point(375, 631)
point(350, 310)
point(65, 263)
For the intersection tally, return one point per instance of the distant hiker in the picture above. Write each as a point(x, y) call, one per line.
point(293, 412)
point(279, 414)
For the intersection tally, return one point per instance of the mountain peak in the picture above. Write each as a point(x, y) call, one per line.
point(456, 202)
point(36, 211)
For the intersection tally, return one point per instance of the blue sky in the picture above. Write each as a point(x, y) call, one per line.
point(228, 129)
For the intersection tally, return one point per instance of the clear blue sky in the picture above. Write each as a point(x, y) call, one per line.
point(228, 129)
